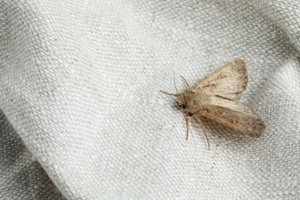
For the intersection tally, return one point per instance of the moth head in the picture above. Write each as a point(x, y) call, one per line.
point(181, 102)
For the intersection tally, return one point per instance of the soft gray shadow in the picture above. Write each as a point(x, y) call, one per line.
point(21, 176)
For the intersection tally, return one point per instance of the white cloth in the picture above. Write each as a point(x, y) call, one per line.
point(82, 116)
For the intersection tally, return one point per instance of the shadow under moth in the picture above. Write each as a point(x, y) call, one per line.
point(217, 97)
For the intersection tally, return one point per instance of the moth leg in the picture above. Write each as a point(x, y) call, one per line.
point(204, 130)
point(187, 84)
point(187, 127)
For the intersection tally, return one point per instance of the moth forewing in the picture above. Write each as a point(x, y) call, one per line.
point(217, 96)
point(241, 122)
point(228, 81)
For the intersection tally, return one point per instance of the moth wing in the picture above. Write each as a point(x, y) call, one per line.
point(229, 103)
point(242, 122)
point(228, 81)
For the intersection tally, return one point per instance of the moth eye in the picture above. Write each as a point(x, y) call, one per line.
point(183, 106)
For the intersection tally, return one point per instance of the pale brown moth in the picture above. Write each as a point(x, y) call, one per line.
point(217, 97)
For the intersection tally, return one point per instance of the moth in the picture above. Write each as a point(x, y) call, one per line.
point(217, 97)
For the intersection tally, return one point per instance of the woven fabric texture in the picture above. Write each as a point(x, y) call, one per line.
point(81, 113)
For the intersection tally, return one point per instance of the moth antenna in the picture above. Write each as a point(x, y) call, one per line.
point(186, 83)
point(176, 95)
point(203, 127)
point(174, 80)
